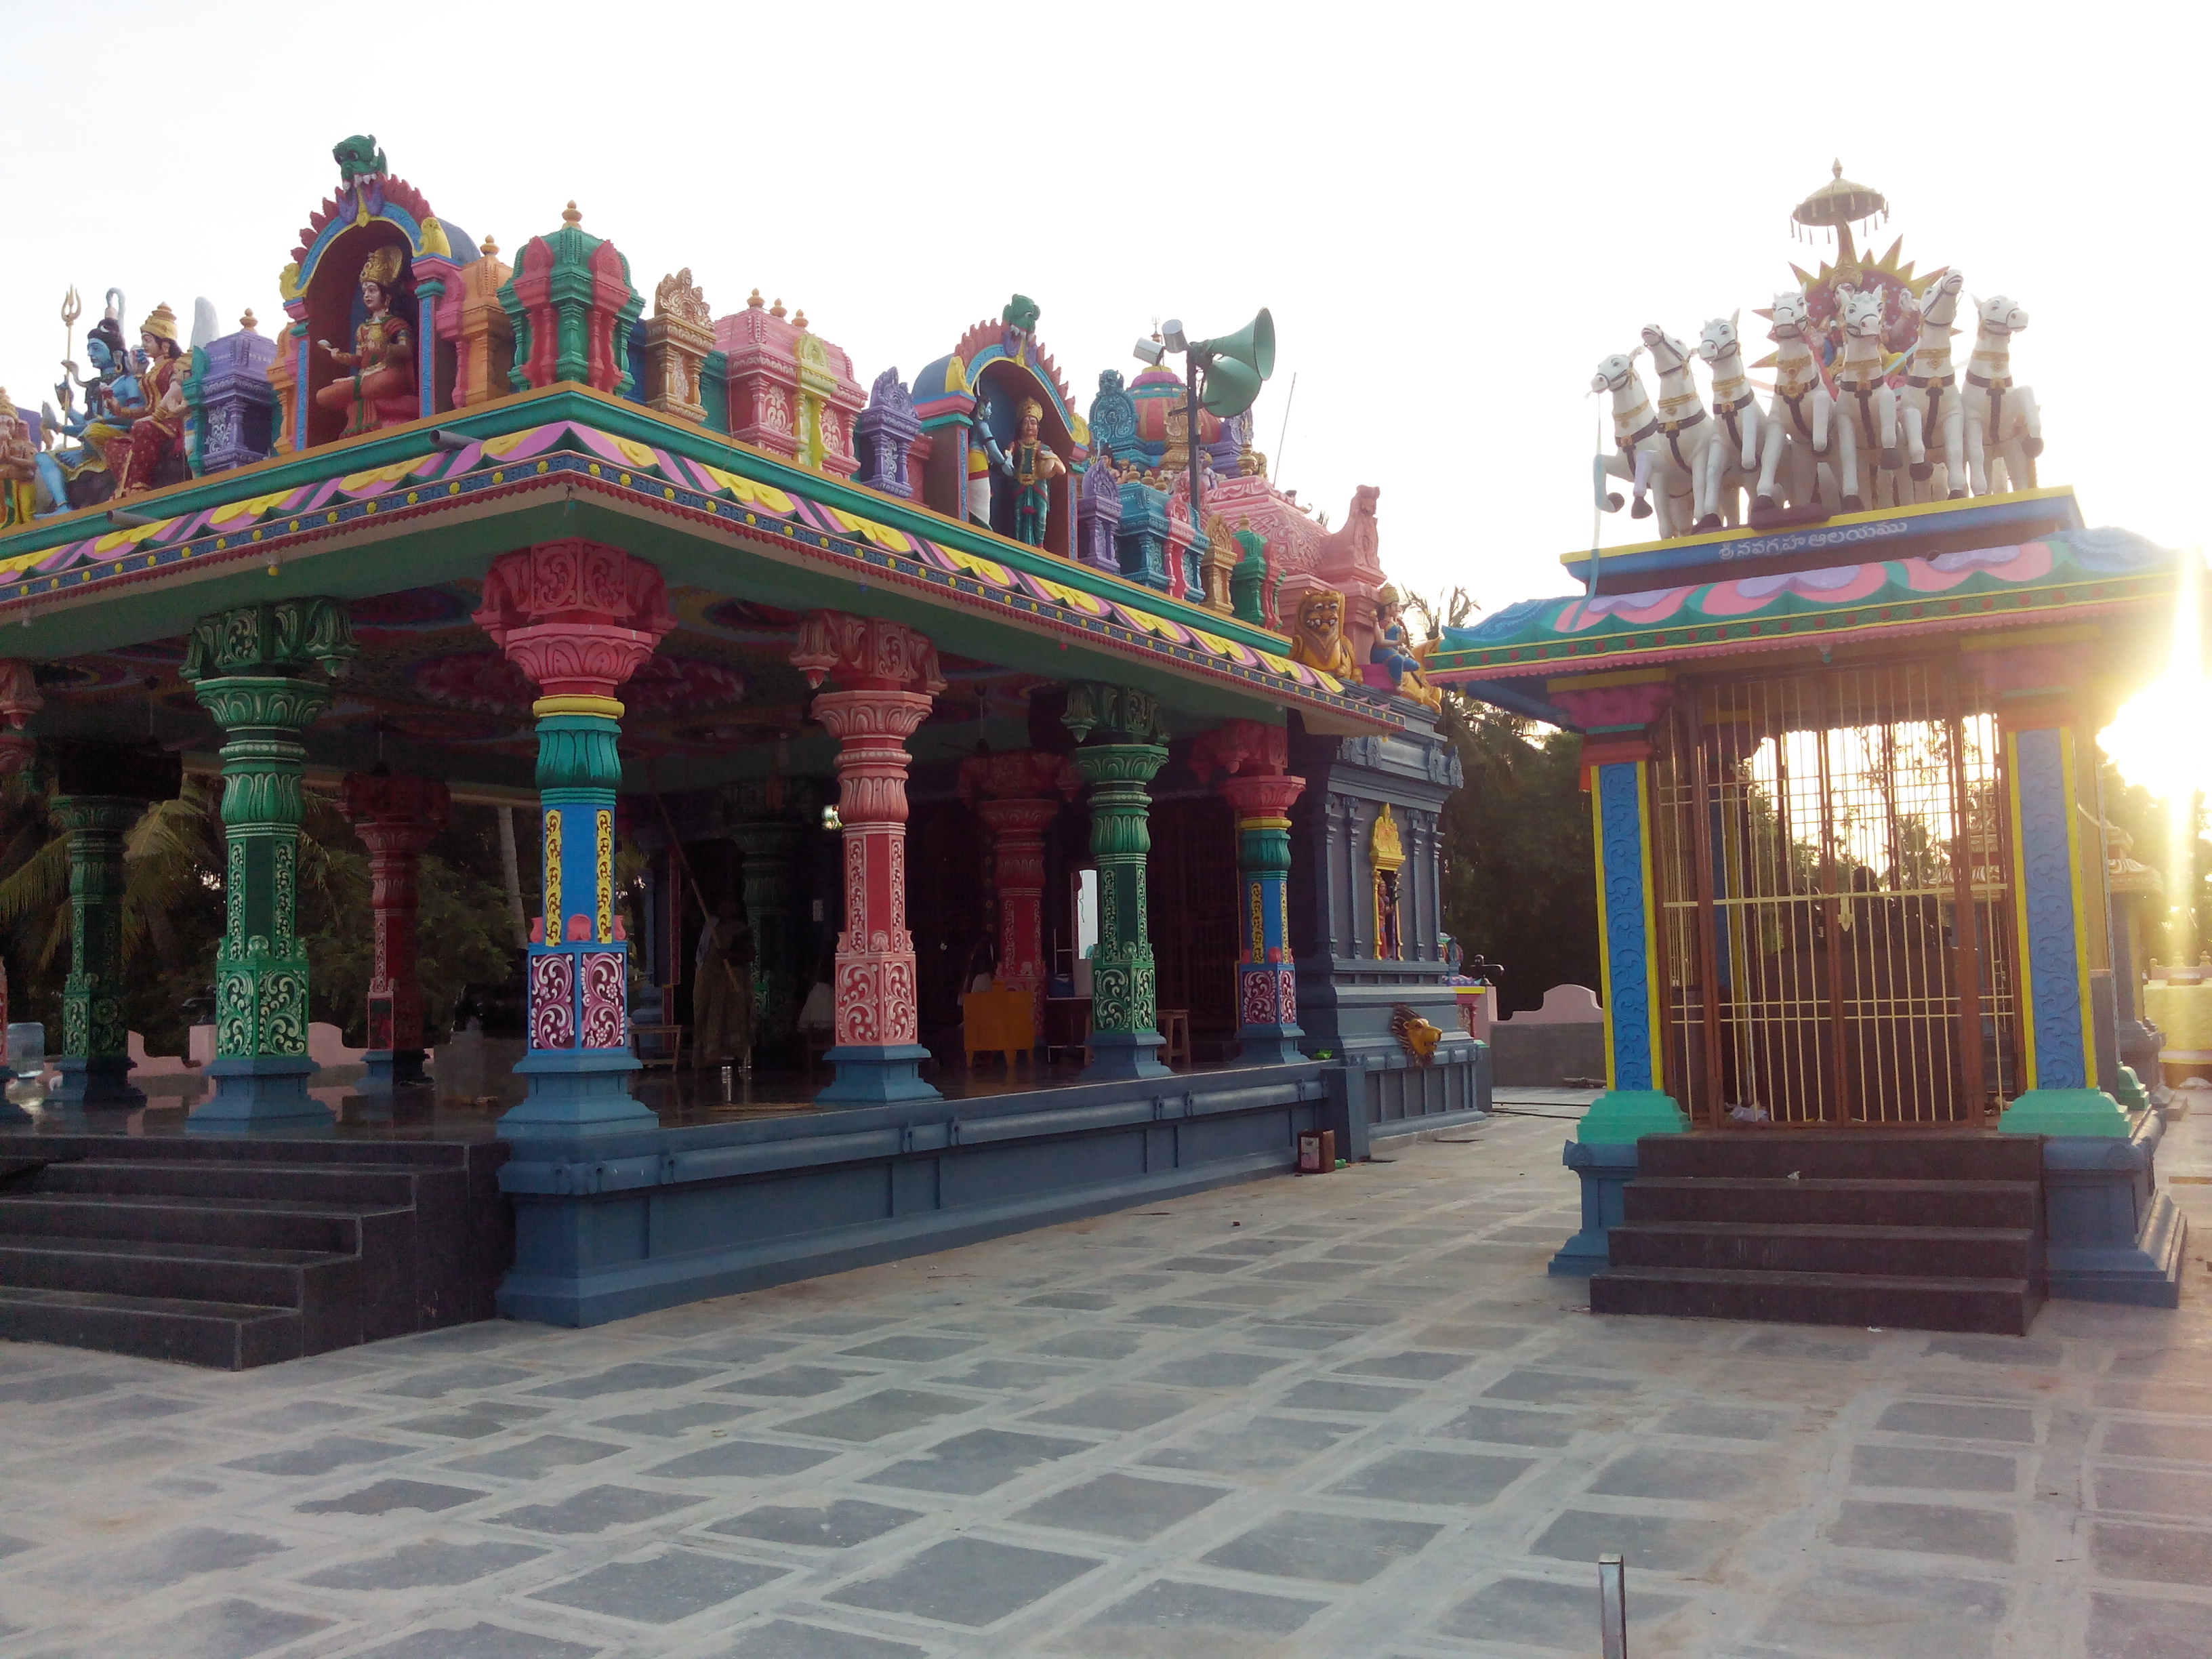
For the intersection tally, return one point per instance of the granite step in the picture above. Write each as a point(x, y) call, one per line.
point(264, 1224)
point(1844, 1154)
point(324, 1287)
point(390, 1186)
point(1818, 1200)
point(225, 1335)
point(1978, 1253)
point(2001, 1307)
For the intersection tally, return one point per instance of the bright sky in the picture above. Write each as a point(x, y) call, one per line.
point(1453, 213)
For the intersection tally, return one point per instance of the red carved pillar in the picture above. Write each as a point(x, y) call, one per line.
point(395, 817)
point(579, 619)
point(887, 678)
point(1017, 806)
point(19, 700)
point(1252, 756)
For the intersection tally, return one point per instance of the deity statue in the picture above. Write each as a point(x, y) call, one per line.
point(1032, 467)
point(380, 390)
point(1318, 641)
point(1394, 652)
point(19, 468)
point(157, 426)
point(79, 476)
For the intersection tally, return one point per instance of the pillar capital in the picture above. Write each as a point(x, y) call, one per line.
point(1019, 774)
point(578, 617)
point(866, 654)
point(281, 638)
point(1118, 713)
point(1246, 747)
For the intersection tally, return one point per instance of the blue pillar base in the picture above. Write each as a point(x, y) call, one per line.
point(2111, 1235)
point(1270, 1045)
point(578, 1094)
point(266, 1094)
point(1604, 1170)
point(102, 1085)
point(390, 1068)
point(876, 1074)
point(1118, 1056)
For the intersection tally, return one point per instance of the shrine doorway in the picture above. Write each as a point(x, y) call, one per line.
point(1831, 853)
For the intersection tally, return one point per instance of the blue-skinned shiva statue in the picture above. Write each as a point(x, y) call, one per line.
point(77, 475)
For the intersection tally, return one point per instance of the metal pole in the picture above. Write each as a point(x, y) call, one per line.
point(1197, 483)
point(1613, 1606)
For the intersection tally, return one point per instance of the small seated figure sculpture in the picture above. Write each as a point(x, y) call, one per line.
point(1391, 651)
point(380, 390)
point(1319, 641)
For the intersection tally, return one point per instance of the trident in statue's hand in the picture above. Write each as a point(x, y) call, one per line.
point(72, 308)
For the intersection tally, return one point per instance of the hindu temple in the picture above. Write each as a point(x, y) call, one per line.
point(941, 827)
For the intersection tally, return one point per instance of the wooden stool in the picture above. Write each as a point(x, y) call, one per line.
point(669, 1052)
point(1175, 1026)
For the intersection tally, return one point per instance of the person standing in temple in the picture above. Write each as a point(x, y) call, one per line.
point(722, 1004)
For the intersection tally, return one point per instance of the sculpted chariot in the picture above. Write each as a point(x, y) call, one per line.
point(1866, 411)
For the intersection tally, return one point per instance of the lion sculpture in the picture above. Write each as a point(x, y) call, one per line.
point(1415, 1035)
point(1318, 641)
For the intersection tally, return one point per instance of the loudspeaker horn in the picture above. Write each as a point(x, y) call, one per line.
point(1253, 344)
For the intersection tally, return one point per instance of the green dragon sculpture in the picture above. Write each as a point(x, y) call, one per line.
point(358, 157)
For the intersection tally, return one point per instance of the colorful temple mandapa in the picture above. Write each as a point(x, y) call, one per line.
point(850, 710)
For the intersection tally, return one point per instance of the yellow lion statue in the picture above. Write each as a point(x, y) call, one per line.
point(1318, 640)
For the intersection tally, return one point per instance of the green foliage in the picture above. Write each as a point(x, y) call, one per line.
point(173, 917)
point(1519, 885)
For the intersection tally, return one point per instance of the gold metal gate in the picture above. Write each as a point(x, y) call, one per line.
point(1833, 872)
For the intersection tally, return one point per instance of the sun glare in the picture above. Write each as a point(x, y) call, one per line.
point(2161, 739)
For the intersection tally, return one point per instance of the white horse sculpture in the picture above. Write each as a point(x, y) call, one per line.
point(1685, 431)
point(1741, 433)
point(1930, 402)
point(2003, 424)
point(1801, 414)
point(1637, 446)
point(1869, 407)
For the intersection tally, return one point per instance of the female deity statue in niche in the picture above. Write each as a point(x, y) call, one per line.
point(380, 390)
point(153, 452)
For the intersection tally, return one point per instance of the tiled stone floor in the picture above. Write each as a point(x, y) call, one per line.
point(1347, 1416)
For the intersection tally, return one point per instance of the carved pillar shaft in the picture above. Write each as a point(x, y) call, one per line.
point(1266, 973)
point(579, 619)
point(1018, 827)
point(252, 670)
point(1635, 1102)
point(2059, 874)
point(396, 818)
point(1252, 756)
point(888, 681)
point(769, 847)
point(94, 1063)
point(1125, 980)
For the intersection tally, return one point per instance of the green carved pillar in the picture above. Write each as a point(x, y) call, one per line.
point(95, 1064)
point(253, 669)
point(769, 846)
point(1130, 746)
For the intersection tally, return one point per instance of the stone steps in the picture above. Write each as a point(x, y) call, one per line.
point(1934, 1230)
point(248, 1253)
